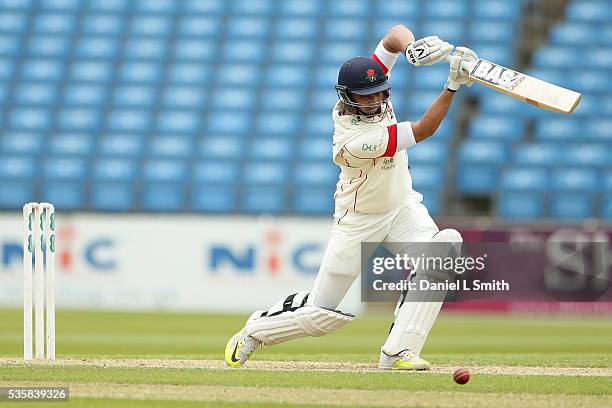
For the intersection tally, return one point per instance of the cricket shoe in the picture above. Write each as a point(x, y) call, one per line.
point(240, 347)
point(404, 360)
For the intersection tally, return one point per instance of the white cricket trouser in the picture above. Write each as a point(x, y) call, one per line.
point(341, 263)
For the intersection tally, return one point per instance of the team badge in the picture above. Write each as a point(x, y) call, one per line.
point(371, 75)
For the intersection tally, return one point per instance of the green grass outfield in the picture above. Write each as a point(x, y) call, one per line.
point(145, 359)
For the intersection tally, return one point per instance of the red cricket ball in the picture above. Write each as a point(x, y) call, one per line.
point(461, 376)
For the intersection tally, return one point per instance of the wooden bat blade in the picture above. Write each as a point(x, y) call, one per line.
point(524, 87)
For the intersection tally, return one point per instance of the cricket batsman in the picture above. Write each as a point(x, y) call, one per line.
point(374, 202)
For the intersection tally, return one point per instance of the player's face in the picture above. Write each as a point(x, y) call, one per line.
point(374, 99)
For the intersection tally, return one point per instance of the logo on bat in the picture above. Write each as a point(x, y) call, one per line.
point(497, 75)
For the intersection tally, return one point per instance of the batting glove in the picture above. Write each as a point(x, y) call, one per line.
point(427, 51)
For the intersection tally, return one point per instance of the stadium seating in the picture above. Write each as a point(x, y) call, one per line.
point(224, 106)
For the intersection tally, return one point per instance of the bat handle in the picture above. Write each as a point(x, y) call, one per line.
point(465, 64)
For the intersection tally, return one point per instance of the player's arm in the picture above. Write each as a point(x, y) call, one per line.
point(381, 142)
point(389, 48)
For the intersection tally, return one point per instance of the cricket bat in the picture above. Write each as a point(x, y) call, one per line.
point(523, 87)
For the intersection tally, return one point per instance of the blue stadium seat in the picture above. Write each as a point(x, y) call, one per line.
point(493, 52)
point(432, 199)
point(590, 81)
point(36, 94)
point(252, 7)
point(71, 144)
point(30, 119)
point(597, 58)
point(607, 181)
point(178, 121)
point(157, 6)
point(13, 194)
point(521, 205)
point(554, 57)
point(575, 180)
point(263, 200)
point(457, 9)
point(292, 51)
point(537, 155)
point(296, 28)
point(217, 147)
point(344, 29)
point(278, 124)
point(64, 196)
point(271, 148)
point(145, 72)
point(194, 50)
point(477, 179)
point(215, 172)
point(447, 29)
point(42, 70)
point(491, 31)
point(318, 174)
point(569, 33)
point(55, 5)
point(571, 206)
point(320, 124)
point(79, 119)
point(121, 145)
point(315, 148)
point(184, 97)
point(349, 8)
point(313, 201)
point(53, 47)
point(500, 128)
point(102, 24)
point(134, 96)
point(150, 25)
point(433, 78)
point(430, 151)
point(206, 7)
point(96, 48)
point(146, 48)
point(590, 106)
point(235, 74)
point(326, 77)
point(163, 198)
point(64, 169)
point(473, 151)
point(274, 99)
point(120, 170)
point(110, 6)
point(124, 120)
point(233, 98)
point(112, 197)
point(18, 168)
point(606, 206)
point(229, 123)
point(301, 8)
point(587, 155)
point(247, 50)
point(494, 103)
point(428, 176)
point(248, 27)
point(170, 171)
point(381, 26)
point(335, 52)
point(89, 71)
point(54, 23)
point(205, 26)
point(265, 173)
point(589, 11)
point(215, 199)
point(560, 130)
point(525, 179)
point(399, 9)
point(496, 9)
point(171, 146)
point(83, 95)
point(12, 22)
point(286, 75)
point(7, 69)
point(599, 129)
point(27, 143)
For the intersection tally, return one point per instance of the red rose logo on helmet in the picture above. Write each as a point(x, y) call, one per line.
point(371, 75)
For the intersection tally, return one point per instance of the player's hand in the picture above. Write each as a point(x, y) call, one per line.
point(460, 64)
point(468, 58)
point(427, 51)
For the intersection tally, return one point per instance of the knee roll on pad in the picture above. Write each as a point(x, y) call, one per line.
point(293, 324)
